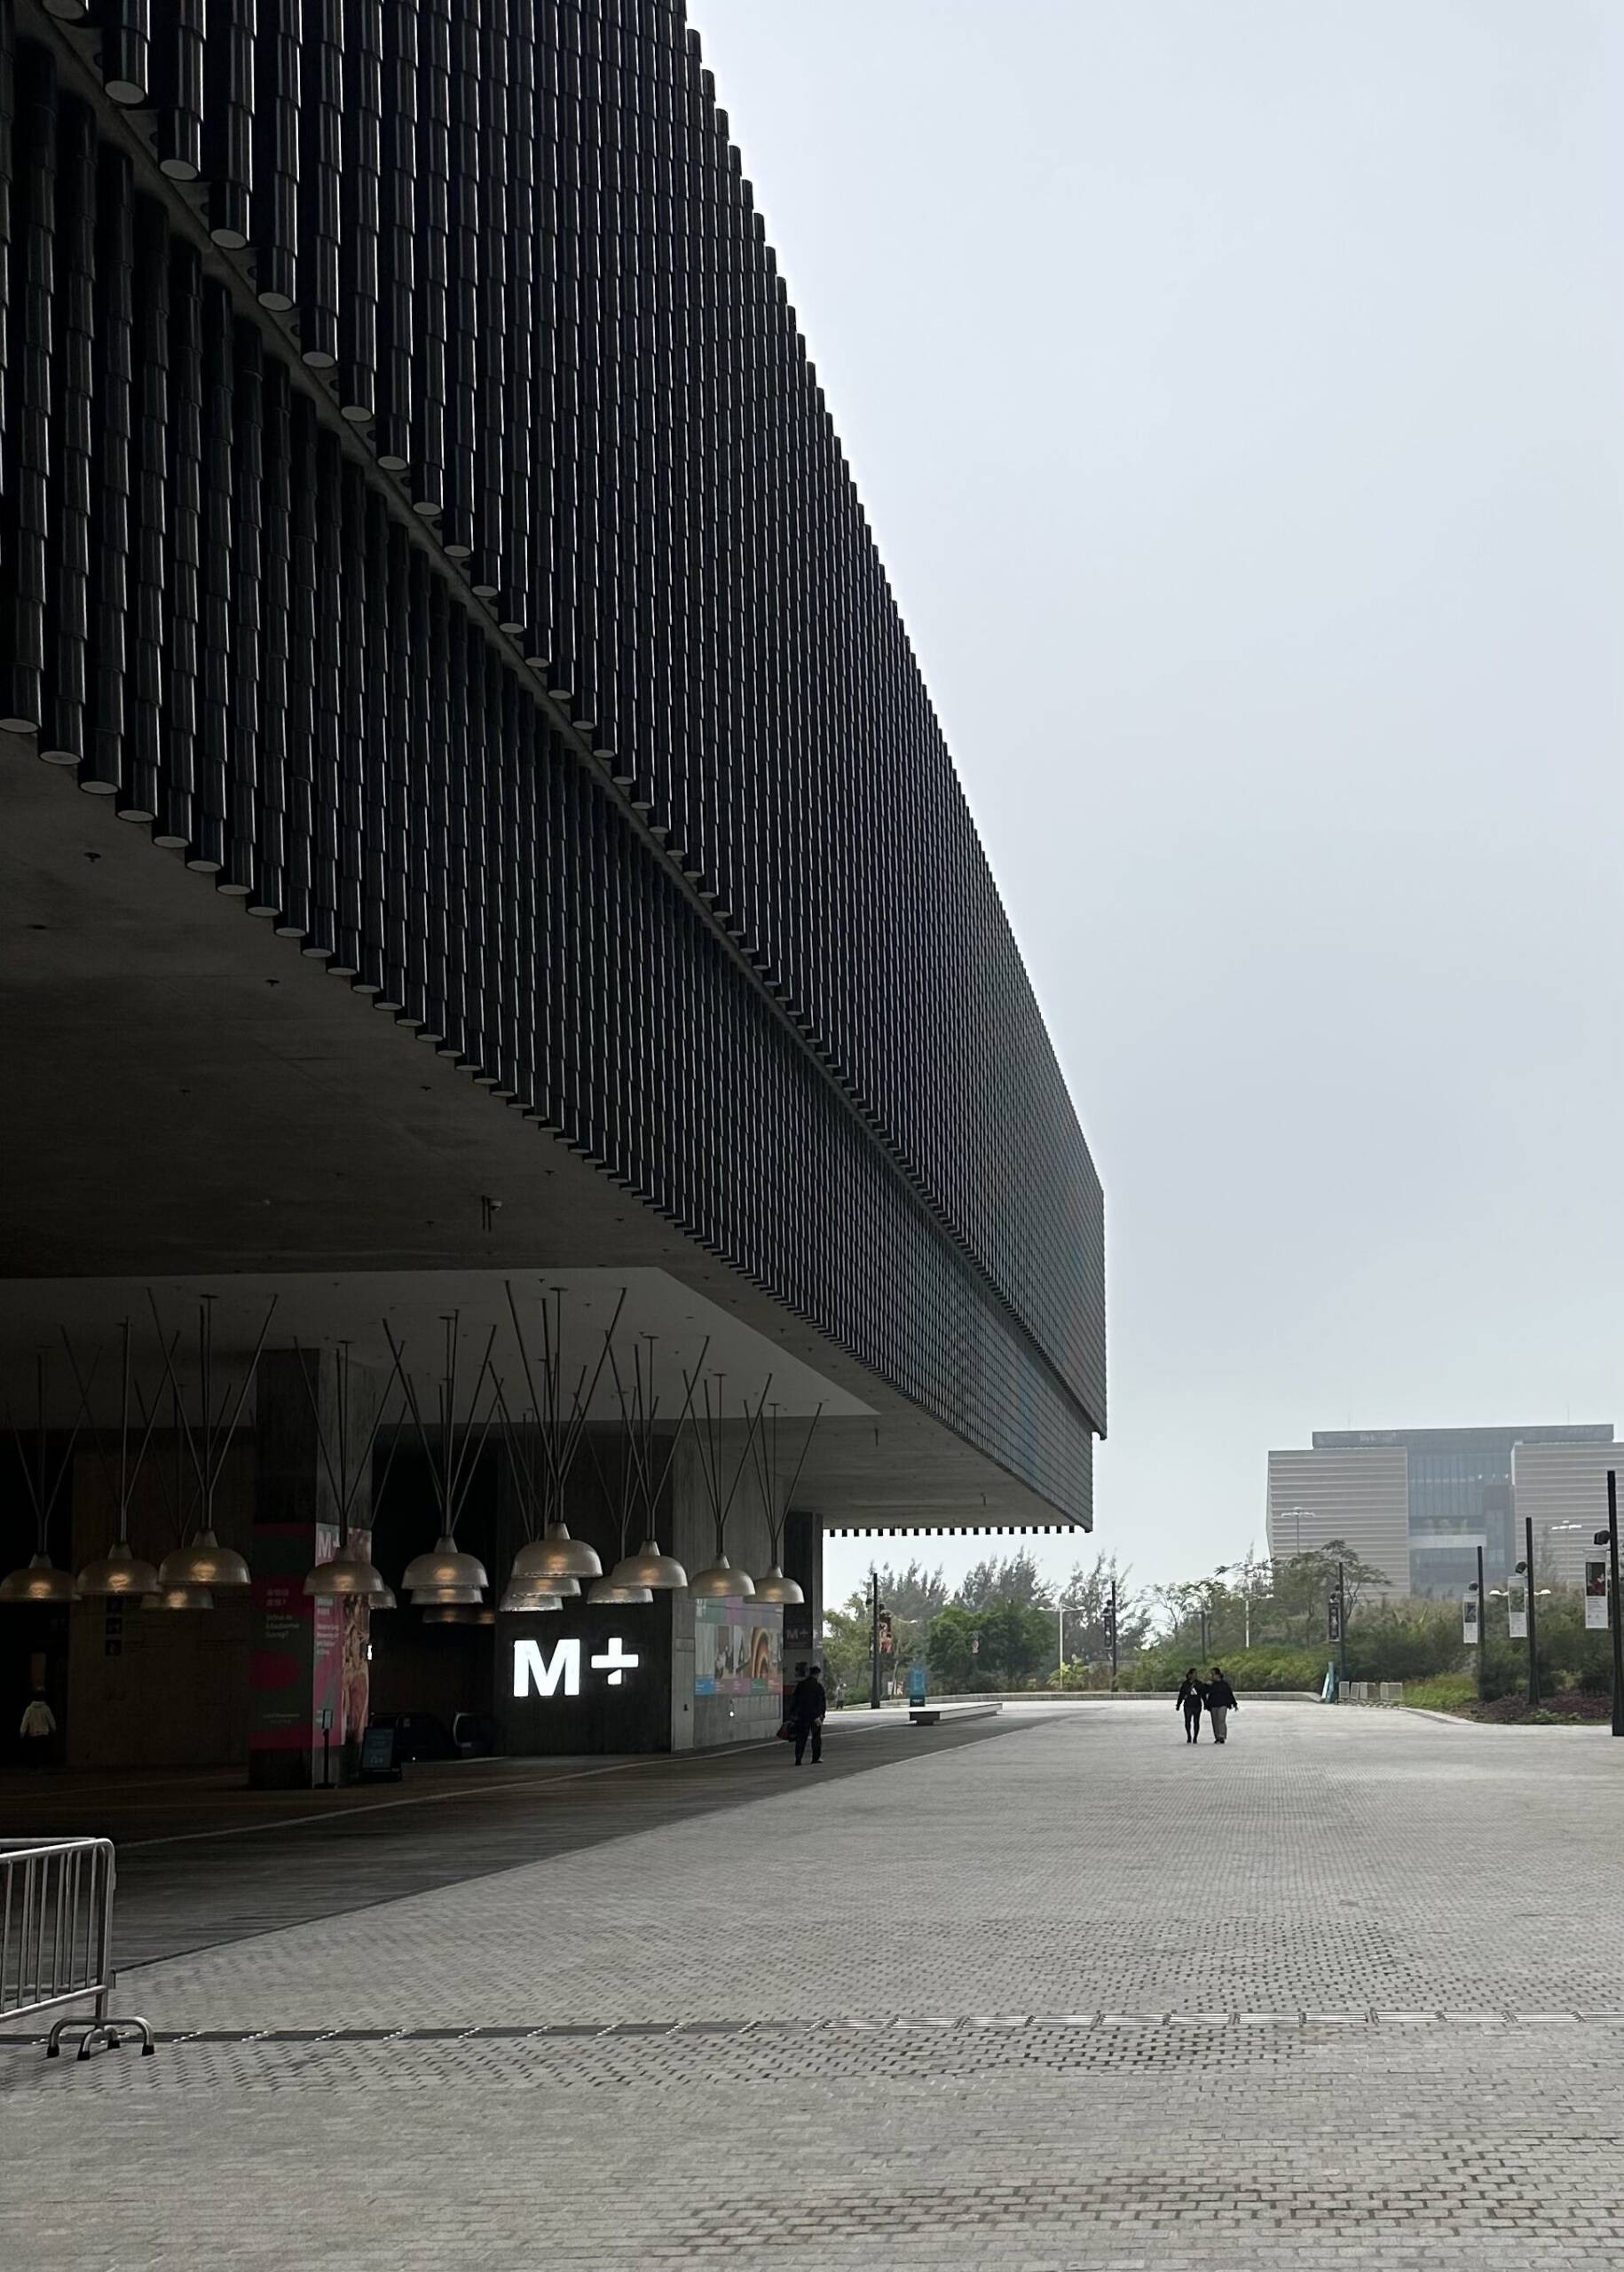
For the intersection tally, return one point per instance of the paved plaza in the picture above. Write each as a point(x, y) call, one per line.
point(1060, 1993)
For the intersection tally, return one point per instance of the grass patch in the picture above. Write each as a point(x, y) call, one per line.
point(1457, 1692)
point(1445, 1692)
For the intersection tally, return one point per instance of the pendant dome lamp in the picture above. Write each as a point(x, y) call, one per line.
point(722, 1582)
point(117, 1575)
point(611, 1590)
point(446, 1577)
point(120, 1573)
point(39, 1580)
point(551, 1565)
point(444, 1571)
point(179, 1597)
point(525, 1599)
point(203, 1562)
point(662, 1574)
point(349, 1574)
point(774, 1587)
point(636, 1578)
point(556, 1555)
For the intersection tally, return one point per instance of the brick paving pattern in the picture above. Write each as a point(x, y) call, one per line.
point(1073, 1997)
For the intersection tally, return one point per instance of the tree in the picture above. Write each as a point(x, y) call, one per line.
point(1086, 1599)
point(915, 1593)
point(1304, 1584)
point(1014, 1578)
point(1018, 1641)
point(951, 1649)
point(848, 1637)
point(845, 1650)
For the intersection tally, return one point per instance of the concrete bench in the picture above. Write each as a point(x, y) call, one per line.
point(930, 1716)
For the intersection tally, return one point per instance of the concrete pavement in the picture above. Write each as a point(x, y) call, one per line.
point(1348, 1992)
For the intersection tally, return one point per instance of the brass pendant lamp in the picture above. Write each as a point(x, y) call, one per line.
point(636, 1578)
point(119, 1573)
point(551, 1565)
point(202, 1561)
point(774, 1587)
point(39, 1580)
point(722, 1582)
point(349, 1574)
point(446, 1577)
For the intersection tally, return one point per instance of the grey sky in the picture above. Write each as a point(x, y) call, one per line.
point(1237, 391)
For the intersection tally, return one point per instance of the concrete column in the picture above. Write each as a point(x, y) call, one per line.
point(307, 1659)
point(803, 1560)
point(160, 1688)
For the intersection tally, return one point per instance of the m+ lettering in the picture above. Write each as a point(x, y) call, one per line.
point(615, 1662)
point(534, 1670)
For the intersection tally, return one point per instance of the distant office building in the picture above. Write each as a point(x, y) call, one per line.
point(1417, 1502)
point(1360, 1496)
point(1562, 1489)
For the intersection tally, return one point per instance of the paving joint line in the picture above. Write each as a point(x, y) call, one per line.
point(562, 2031)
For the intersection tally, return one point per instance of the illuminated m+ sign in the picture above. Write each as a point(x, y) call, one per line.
point(533, 1670)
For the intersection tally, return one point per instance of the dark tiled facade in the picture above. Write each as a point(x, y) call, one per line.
point(419, 510)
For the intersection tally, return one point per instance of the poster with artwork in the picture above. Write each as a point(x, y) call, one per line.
point(738, 1649)
point(1517, 1608)
point(1469, 1620)
point(1596, 1593)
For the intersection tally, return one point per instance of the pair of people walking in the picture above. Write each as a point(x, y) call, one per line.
point(1214, 1696)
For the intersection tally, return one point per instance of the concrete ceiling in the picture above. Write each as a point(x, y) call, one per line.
point(655, 1317)
point(189, 1102)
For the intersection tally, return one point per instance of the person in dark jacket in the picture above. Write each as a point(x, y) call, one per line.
point(807, 1705)
point(1220, 1703)
point(1192, 1696)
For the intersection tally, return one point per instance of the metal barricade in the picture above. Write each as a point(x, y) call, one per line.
point(56, 1937)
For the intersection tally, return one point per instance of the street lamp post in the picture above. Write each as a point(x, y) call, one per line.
point(1609, 1538)
point(874, 1641)
point(1244, 1571)
point(1482, 1631)
point(1113, 1636)
point(1533, 1659)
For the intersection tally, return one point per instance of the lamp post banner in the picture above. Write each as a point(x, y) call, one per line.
point(1596, 1593)
point(1517, 1609)
point(1469, 1620)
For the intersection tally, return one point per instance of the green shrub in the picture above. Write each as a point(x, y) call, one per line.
point(1272, 1665)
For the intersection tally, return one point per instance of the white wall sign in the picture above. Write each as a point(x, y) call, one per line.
point(534, 1671)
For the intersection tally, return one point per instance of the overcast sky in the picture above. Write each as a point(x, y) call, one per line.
point(1236, 388)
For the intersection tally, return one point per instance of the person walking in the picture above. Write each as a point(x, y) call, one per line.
point(1220, 1703)
point(807, 1705)
point(1190, 1699)
point(38, 1728)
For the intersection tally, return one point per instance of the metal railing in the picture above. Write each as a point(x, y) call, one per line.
point(55, 1936)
